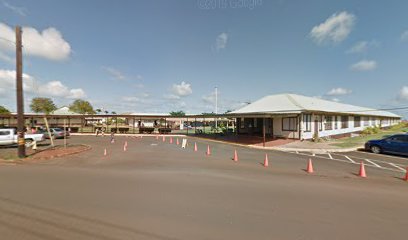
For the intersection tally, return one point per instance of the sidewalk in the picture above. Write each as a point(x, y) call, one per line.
point(307, 146)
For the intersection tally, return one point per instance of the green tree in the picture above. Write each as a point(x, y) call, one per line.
point(81, 107)
point(4, 110)
point(177, 114)
point(42, 105)
point(98, 110)
point(207, 114)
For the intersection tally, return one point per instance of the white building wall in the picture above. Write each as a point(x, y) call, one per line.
point(279, 132)
point(337, 125)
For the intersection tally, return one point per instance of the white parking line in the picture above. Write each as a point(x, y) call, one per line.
point(375, 164)
point(346, 161)
point(382, 155)
point(395, 165)
point(351, 160)
point(330, 156)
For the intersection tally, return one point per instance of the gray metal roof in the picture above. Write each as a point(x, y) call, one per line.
point(293, 103)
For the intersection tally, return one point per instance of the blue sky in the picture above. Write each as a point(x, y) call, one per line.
point(160, 56)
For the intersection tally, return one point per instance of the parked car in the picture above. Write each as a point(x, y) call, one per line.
point(55, 133)
point(8, 136)
point(396, 144)
point(59, 133)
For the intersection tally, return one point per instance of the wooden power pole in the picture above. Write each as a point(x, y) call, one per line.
point(20, 97)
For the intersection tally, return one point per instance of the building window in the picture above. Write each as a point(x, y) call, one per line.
point(289, 124)
point(307, 122)
point(336, 122)
point(242, 123)
point(357, 121)
point(329, 123)
point(344, 121)
point(366, 121)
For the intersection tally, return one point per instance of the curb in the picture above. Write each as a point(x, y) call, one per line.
point(129, 135)
point(316, 150)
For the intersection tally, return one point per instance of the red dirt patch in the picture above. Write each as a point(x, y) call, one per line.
point(58, 151)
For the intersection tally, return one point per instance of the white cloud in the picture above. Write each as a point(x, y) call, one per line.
point(57, 89)
point(335, 29)
point(362, 46)
point(116, 74)
point(47, 44)
point(221, 41)
point(181, 90)
point(132, 99)
point(404, 36)
point(339, 91)
point(30, 85)
point(403, 94)
point(18, 10)
point(335, 100)
point(171, 97)
point(364, 65)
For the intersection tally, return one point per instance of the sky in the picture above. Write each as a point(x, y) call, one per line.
point(161, 56)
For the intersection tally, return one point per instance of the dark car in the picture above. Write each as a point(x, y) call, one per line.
point(396, 144)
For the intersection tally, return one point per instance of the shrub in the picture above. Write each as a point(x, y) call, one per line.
point(370, 130)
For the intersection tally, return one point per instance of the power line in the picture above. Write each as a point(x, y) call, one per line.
point(8, 40)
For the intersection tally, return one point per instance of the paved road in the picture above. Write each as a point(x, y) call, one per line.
point(381, 161)
point(156, 190)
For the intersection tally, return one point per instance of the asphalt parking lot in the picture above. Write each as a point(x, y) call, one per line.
point(156, 190)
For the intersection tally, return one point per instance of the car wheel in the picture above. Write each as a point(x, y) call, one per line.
point(28, 142)
point(376, 149)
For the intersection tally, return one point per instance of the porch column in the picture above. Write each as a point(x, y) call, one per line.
point(204, 125)
point(263, 131)
point(187, 125)
point(134, 119)
point(195, 125)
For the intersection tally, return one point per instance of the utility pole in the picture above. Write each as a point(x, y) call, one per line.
point(216, 108)
point(20, 97)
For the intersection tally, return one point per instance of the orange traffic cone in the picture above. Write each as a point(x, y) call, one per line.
point(309, 166)
point(126, 143)
point(105, 153)
point(195, 147)
point(177, 142)
point(266, 161)
point(208, 150)
point(235, 156)
point(171, 140)
point(164, 139)
point(157, 137)
point(362, 172)
point(406, 175)
point(124, 148)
